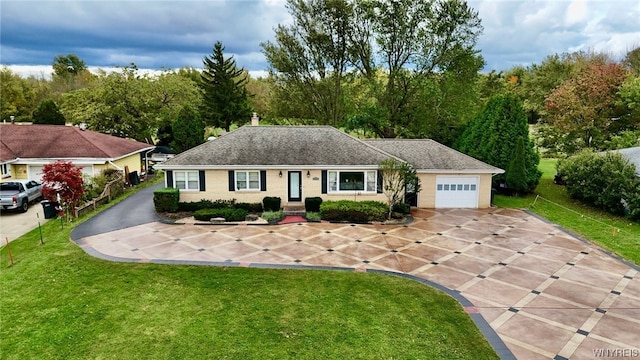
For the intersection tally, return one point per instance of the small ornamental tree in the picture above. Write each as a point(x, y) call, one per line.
point(63, 179)
point(396, 176)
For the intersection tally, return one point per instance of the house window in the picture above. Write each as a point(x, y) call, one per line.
point(187, 180)
point(247, 180)
point(352, 181)
point(6, 170)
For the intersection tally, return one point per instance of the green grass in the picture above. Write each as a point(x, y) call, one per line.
point(616, 234)
point(58, 302)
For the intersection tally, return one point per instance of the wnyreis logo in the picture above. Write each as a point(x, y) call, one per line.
point(616, 353)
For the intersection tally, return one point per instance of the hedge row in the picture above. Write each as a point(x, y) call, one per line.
point(255, 208)
point(229, 214)
point(353, 211)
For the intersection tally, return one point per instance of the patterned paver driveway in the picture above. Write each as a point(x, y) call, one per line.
point(544, 292)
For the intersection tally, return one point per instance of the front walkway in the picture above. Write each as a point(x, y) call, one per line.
point(545, 293)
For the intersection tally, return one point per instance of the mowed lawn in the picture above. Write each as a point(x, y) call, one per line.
point(615, 234)
point(57, 302)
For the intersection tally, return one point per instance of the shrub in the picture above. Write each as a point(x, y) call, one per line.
point(313, 216)
point(228, 214)
point(401, 208)
point(206, 204)
point(271, 216)
point(353, 211)
point(312, 204)
point(604, 181)
point(166, 199)
point(254, 208)
point(271, 203)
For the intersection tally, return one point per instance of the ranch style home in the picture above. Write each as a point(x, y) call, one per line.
point(295, 162)
point(26, 148)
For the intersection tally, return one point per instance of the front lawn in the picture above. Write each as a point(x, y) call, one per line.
point(58, 302)
point(616, 234)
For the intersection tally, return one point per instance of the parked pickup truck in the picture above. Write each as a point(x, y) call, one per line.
point(17, 194)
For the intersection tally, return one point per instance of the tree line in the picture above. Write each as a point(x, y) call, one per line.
point(405, 68)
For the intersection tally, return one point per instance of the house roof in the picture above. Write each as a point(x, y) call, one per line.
point(633, 155)
point(62, 142)
point(281, 145)
point(426, 155)
point(319, 146)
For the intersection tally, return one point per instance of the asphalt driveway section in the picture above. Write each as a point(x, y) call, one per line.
point(135, 210)
point(14, 224)
point(544, 292)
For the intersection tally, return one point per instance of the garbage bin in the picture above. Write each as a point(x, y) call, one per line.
point(133, 178)
point(50, 209)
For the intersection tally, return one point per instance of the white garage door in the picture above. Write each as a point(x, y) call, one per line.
point(35, 171)
point(457, 192)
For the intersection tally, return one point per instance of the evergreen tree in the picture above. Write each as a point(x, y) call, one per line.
point(226, 100)
point(516, 174)
point(48, 114)
point(492, 134)
point(187, 129)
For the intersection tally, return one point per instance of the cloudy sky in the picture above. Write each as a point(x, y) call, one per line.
point(157, 34)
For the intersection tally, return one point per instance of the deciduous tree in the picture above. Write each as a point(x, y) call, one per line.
point(585, 106)
point(396, 176)
point(64, 180)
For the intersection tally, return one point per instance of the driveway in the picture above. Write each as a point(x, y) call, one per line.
point(545, 293)
point(14, 224)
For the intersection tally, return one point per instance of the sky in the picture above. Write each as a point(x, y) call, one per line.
point(162, 34)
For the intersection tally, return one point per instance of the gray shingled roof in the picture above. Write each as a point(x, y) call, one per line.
point(281, 145)
point(426, 154)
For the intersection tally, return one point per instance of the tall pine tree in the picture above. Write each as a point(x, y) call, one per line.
point(225, 100)
point(492, 135)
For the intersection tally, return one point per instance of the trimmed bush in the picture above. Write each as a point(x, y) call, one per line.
point(206, 204)
point(353, 211)
point(166, 199)
point(312, 204)
point(272, 216)
point(313, 216)
point(254, 208)
point(227, 213)
point(271, 203)
point(403, 209)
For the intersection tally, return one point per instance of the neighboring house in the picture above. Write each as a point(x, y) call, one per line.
point(295, 162)
point(25, 149)
point(633, 155)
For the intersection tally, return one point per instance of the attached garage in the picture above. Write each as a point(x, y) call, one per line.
point(457, 191)
point(35, 171)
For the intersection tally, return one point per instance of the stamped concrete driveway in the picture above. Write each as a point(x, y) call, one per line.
point(545, 293)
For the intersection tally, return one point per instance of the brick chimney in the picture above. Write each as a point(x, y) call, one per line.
point(255, 120)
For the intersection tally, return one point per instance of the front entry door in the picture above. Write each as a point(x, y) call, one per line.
point(295, 186)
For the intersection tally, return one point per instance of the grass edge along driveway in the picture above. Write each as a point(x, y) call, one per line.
point(58, 302)
point(613, 233)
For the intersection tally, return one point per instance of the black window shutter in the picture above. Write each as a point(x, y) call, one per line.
point(232, 181)
point(201, 175)
point(379, 185)
point(263, 180)
point(169, 178)
point(324, 181)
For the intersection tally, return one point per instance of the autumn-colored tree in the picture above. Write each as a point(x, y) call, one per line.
point(584, 107)
point(63, 179)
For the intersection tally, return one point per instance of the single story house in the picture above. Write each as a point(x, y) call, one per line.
point(295, 162)
point(25, 149)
